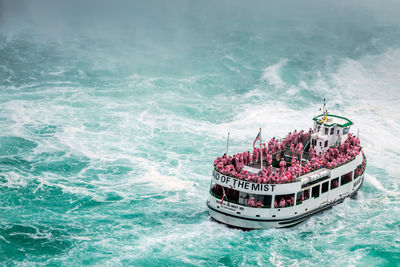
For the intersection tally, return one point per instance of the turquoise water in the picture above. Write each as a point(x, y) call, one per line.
point(112, 114)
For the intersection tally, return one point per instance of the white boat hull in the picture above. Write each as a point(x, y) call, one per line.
point(225, 214)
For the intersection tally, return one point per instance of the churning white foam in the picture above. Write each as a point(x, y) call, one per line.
point(168, 183)
point(272, 74)
point(371, 179)
point(14, 180)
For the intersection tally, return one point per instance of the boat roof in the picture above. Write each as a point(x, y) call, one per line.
point(333, 120)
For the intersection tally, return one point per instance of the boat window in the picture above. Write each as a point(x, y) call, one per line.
point(358, 171)
point(320, 143)
point(319, 127)
point(314, 142)
point(332, 130)
point(345, 130)
point(346, 178)
point(326, 143)
point(338, 132)
point(315, 181)
point(325, 187)
point(282, 201)
point(302, 195)
point(334, 183)
point(231, 194)
point(326, 130)
point(217, 190)
point(315, 191)
point(238, 197)
point(265, 200)
point(243, 198)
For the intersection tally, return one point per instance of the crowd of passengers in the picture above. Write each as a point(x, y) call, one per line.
point(360, 169)
point(281, 201)
point(288, 200)
point(288, 171)
point(284, 201)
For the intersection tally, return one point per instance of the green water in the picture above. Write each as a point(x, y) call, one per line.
point(111, 115)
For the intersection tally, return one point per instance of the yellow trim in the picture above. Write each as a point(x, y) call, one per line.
point(324, 119)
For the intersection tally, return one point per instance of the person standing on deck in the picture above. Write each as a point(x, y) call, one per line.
point(251, 202)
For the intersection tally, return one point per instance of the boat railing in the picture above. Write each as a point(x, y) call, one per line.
point(306, 142)
point(337, 143)
point(364, 159)
point(288, 182)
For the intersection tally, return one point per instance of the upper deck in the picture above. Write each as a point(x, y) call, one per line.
point(285, 160)
point(285, 188)
point(330, 120)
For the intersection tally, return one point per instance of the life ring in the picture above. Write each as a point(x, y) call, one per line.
point(278, 157)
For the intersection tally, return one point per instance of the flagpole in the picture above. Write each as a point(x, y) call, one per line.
point(301, 163)
point(227, 144)
point(261, 152)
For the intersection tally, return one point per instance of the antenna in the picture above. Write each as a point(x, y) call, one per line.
point(227, 144)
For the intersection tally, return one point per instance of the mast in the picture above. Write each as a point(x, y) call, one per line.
point(227, 144)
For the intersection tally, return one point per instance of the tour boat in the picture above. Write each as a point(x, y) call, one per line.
point(292, 179)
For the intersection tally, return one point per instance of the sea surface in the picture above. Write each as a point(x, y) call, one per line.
point(112, 112)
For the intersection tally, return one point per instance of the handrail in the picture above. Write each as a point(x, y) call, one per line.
point(307, 141)
point(365, 158)
point(338, 141)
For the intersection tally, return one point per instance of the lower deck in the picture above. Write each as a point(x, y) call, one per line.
point(253, 223)
point(311, 199)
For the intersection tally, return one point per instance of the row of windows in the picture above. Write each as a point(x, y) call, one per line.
point(331, 131)
point(280, 201)
point(334, 183)
point(314, 143)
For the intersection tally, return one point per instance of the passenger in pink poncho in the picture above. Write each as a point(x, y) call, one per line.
point(251, 202)
point(269, 159)
point(295, 137)
point(311, 152)
point(291, 200)
point(284, 179)
point(282, 163)
point(282, 203)
point(255, 154)
point(264, 150)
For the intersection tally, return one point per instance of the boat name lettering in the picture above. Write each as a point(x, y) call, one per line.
point(237, 184)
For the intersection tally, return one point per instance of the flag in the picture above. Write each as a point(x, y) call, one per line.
point(223, 195)
point(257, 138)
